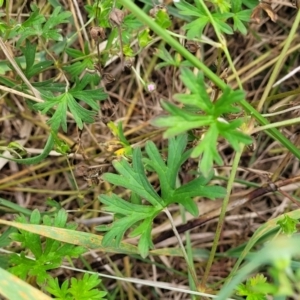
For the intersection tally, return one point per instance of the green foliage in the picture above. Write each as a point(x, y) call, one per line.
point(67, 101)
point(199, 112)
point(83, 61)
point(5, 241)
point(33, 68)
point(281, 282)
point(220, 16)
point(249, 289)
point(288, 225)
point(248, 3)
point(38, 158)
point(79, 289)
point(47, 255)
point(58, 99)
point(140, 216)
point(100, 11)
point(16, 149)
point(144, 38)
point(38, 26)
point(41, 46)
point(118, 132)
point(222, 5)
point(162, 19)
point(164, 55)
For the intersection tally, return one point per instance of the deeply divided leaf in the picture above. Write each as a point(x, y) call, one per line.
point(139, 216)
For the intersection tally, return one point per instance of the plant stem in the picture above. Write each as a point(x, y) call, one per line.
point(282, 57)
point(191, 270)
point(189, 247)
point(222, 217)
point(277, 124)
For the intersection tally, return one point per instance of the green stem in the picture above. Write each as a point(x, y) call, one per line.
point(294, 92)
point(277, 124)
point(222, 216)
point(189, 247)
point(273, 132)
point(38, 158)
point(282, 57)
point(191, 269)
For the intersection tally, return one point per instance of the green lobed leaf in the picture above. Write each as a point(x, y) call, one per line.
point(29, 53)
point(130, 215)
point(52, 34)
point(182, 126)
point(249, 289)
point(134, 213)
point(114, 236)
point(134, 179)
point(176, 157)
point(223, 26)
point(85, 288)
point(162, 19)
point(145, 242)
point(30, 240)
point(76, 68)
point(222, 5)
point(244, 15)
point(190, 206)
point(196, 27)
point(158, 164)
point(238, 25)
point(35, 18)
point(90, 97)
point(28, 32)
point(53, 288)
point(208, 148)
point(74, 53)
point(57, 17)
point(79, 67)
point(115, 204)
point(47, 256)
point(196, 188)
point(144, 38)
point(225, 103)
point(48, 87)
point(181, 121)
point(236, 5)
point(59, 118)
point(195, 84)
point(39, 68)
point(189, 9)
point(164, 55)
point(81, 115)
point(288, 225)
point(142, 178)
point(131, 23)
point(232, 134)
